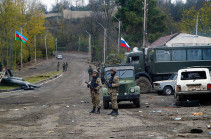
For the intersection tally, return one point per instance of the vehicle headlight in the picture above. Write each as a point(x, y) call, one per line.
point(132, 90)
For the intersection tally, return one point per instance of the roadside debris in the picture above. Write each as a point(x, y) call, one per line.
point(156, 111)
point(14, 109)
point(44, 106)
point(50, 132)
point(197, 114)
point(196, 130)
point(147, 105)
point(177, 119)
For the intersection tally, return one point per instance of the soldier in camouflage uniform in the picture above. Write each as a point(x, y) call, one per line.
point(90, 71)
point(113, 91)
point(58, 64)
point(95, 85)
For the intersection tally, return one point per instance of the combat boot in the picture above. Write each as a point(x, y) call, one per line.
point(111, 112)
point(93, 110)
point(115, 112)
point(98, 111)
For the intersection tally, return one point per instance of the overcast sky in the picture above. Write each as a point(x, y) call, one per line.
point(49, 3)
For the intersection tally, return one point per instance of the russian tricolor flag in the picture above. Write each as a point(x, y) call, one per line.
point(124, 44)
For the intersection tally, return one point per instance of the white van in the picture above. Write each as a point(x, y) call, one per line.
point(192, 81)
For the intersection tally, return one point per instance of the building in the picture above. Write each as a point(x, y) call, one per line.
point(181, 39)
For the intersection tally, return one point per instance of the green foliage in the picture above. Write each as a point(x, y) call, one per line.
point(189, 19)
point(131, 15)
point(17, 15)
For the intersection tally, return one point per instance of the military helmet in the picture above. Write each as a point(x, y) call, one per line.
point(95, 71)
point(114, 69)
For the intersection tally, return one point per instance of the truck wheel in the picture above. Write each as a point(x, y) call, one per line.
point(167, 90)
point(105, 104)
point(137, 103)
point(179, 103)
point(144, 84)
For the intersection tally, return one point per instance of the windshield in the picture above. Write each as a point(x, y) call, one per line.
point(173, 77)
point(124, 61)
point(121, 74)
point(193, 75)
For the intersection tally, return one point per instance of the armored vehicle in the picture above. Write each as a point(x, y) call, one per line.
point(127, 91)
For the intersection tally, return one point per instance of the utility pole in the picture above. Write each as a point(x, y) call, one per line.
point(21, 50)
point(79, 43)
point(90, 56)
point(197, 20)
point(104, 44)
point(119, 33)
point(56, 47)
point(46, 49)
point(35, 50)
point(105, 31)
point(7, 50)
point(144, 31)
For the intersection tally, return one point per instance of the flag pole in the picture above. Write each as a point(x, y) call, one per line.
point(21, 50)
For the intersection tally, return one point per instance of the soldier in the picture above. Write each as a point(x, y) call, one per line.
point(95, 85)
point(66, 66)
point(58, 64)
point(90, 71)
point(63, 67)
point(113, 90)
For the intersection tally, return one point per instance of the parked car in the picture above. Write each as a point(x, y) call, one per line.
point(166, 87)
point(192, 82)
point(127, 91)
point(59, 56)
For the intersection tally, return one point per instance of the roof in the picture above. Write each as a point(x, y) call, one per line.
point(163, 40)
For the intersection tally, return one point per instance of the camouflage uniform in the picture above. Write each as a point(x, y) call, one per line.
point(63, 67)
point(113, 91)
point(58, 64)
point(90, 71)
point(95, 85)
point(96, 94)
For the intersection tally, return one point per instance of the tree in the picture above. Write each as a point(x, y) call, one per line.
point(189, 19)
point(28, 15)
point(130, 13)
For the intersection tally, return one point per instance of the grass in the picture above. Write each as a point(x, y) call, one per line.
point(8, 87)
point(40, 77)
point(33, 79)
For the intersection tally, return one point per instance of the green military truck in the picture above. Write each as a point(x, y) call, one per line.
point(158, 63)
point(127, 91)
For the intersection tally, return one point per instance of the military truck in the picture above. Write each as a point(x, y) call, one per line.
point(127, 91)
point(158, 63)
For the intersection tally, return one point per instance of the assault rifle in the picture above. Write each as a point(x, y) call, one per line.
point(90, 86)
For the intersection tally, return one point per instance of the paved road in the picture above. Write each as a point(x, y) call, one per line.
point(60, 109)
